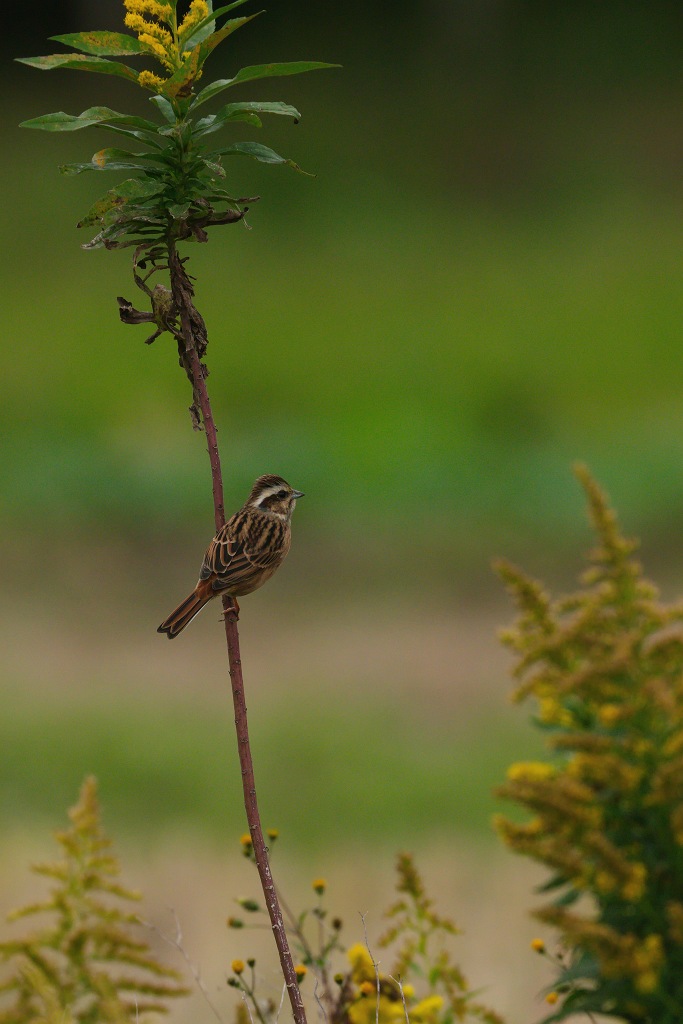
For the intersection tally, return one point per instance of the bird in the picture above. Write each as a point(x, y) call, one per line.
point(245, 552)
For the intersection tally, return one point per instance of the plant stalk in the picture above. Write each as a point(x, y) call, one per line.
point(193, 334)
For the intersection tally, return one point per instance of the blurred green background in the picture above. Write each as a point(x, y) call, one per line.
point(482, 284)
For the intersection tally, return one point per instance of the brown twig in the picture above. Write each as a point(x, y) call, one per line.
point(191, 345)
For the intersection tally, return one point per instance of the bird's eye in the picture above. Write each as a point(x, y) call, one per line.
point(282, 494)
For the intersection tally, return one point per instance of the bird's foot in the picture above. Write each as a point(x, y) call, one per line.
point(232, 610)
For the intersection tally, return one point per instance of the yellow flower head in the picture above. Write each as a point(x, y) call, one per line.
point(633, 889)
point(362, 967)
point(150, 81)
point(609, 714)
point(301, 972)
point(319, 885)
point(155, 45)
point(237, 966)
point(538, 945)
point(151, 33)
point(197, 12)
point(427, 1010)
point(157, 10)
point(530, 771)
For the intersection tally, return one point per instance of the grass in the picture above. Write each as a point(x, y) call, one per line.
point(448, 374)
point(328, 772)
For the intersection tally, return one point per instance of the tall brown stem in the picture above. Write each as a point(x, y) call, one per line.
point(193, 334)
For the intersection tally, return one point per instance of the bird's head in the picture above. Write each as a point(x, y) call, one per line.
point(274, 495)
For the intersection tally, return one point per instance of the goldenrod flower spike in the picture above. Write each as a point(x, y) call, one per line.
point(198, 10)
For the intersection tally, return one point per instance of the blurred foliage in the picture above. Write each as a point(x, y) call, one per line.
point(482, 284)
point(399, 776)
point(605, 666)
point(89, 964)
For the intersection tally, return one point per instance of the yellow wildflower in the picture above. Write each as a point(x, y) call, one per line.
point(427, 1009)
point(154, 44)
point(634, 888)
point(552, 998)
point(366, 988)
point(367, 1011)
point(530, 771)
point(136, 22)
point(237, 966)
point(551, 712)
point(646, 981)
point(362, 967)
point(609, 714)
point(157, 10)
point(150, 81)
point(605, 882)
point(301, 972)
point(198, 10)
point(319, 885)
point(538, 945)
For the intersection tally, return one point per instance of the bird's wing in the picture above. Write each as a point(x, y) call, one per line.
point(239, 550)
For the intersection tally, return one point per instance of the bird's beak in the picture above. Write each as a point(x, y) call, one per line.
point(297, 494)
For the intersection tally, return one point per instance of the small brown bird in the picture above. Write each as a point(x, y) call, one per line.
point(244, 553)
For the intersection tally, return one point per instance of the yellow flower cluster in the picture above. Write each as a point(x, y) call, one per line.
point(605, 666)
point(198, 10)
point(162, 12)
point(148, 80)
point(379, 997)
point(155, 25)
point(149, 19)
point(531, 771)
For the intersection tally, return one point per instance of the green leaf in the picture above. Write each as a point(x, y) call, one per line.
point(165, 107)
point(99, 210)
point(243, 112)
point(115, 165)
point(203, 29)
point(61, 122)
point(103, 157)
point(132, 133)
point(111, 160)
point(179, 210)
point(80, 62)
point(212, 41)
point(259, 71)
point(212, 123)
point(138, 188)
point(257, 151)
point(216, 169)
point(103, 44)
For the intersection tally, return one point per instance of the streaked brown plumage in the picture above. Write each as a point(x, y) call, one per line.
point(244, 553)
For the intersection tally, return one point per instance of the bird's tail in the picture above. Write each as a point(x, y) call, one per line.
point(185, 612)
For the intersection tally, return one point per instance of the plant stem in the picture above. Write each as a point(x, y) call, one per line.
point(193, 333)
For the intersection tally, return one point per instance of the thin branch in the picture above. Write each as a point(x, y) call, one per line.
point(399, 985)
point(375, 964)
point(177, 944)
point(191, 349)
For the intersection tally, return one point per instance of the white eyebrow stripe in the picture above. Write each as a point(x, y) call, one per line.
point(268, 493)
